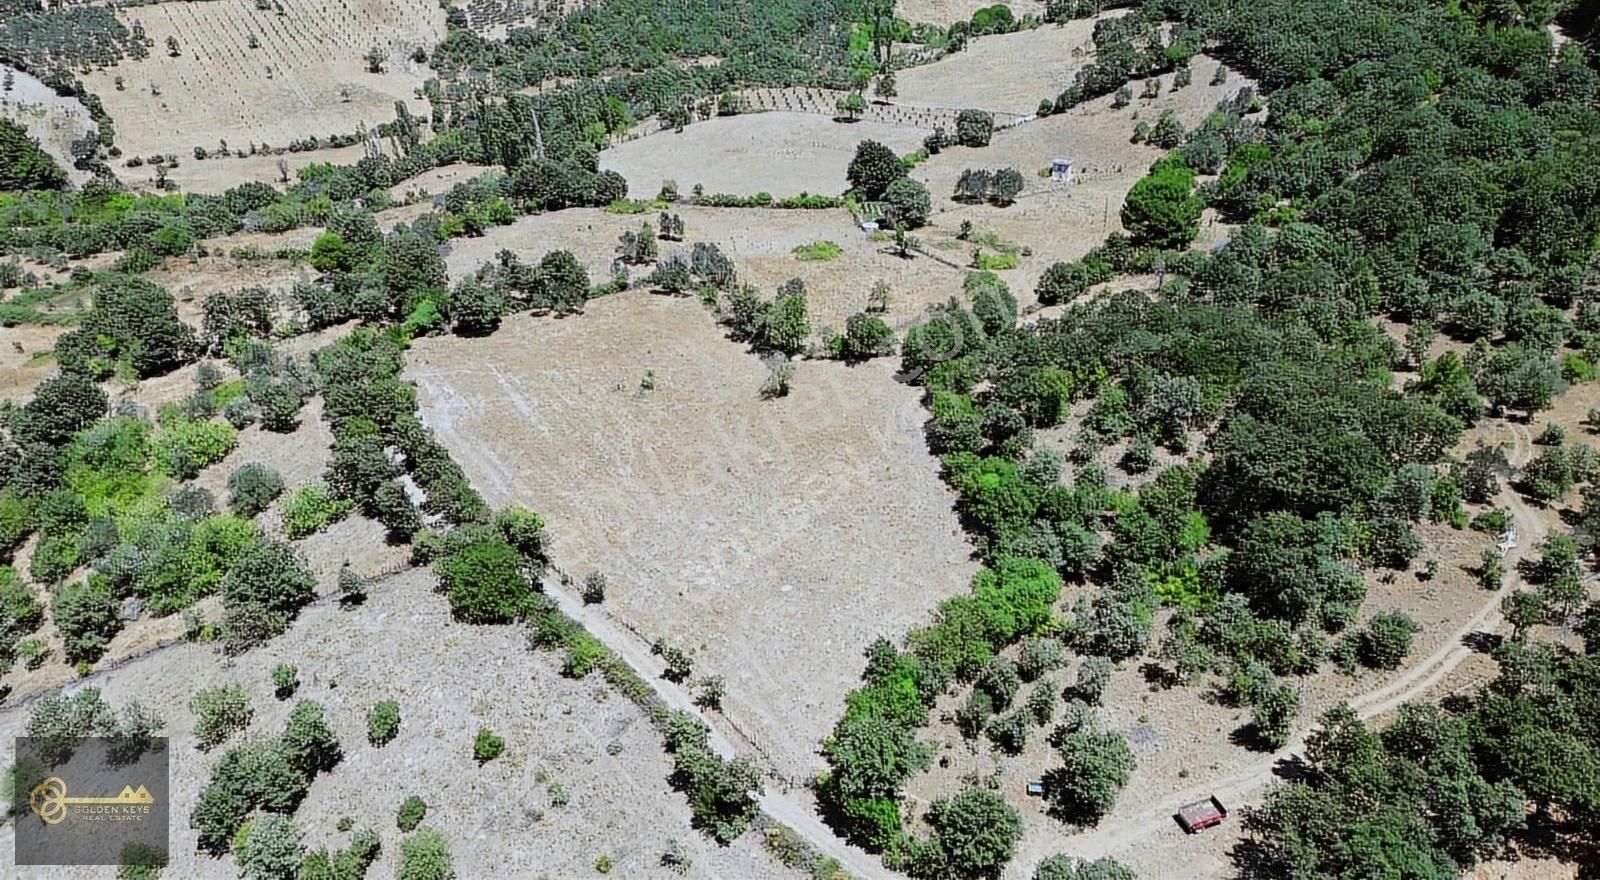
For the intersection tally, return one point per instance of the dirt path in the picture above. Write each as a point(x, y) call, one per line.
point(778, 805)
point(1246, 786)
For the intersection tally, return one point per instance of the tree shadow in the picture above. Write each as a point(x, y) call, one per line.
point(1249, 736)
point(1482, 642)
point(1293, 768)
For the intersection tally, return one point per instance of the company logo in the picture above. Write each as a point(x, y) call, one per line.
point(50, 802)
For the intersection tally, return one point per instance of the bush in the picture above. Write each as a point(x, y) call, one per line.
point(219, 713)
point(263, 591)
point(1093, 676)
point(312, 509)
point(1386, 640)
point(270, 849)
point(486, 746)
point(484, 580)
point(285, 680)
point(88, 616)
point(974, 128)
point(309, 741)
point(425, 856)
point(252, 487)
point(383, 724)
point(594, 588)
point(411, 814)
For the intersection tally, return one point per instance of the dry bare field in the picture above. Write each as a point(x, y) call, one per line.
point(946, 11)
point(1009, 72)
point(760, 242)
point(217, 174)
point(746, 532)
point(781, 153)
point(51, 119)
point(306, 77)
point(502, 819)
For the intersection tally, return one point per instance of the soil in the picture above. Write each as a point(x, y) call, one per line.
point(1004, 72)
point(761, 243)
point(781, 153)
point(572, 741)
point(710, 541)
point(289, 87)
point(944, 12)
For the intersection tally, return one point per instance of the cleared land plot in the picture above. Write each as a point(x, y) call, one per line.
point(306, 77)
point(781, 153)
point(1009, 72)
point(502, 819)
point(773, 540)
point(761, 243)
point(947, 11)
point(49, 118)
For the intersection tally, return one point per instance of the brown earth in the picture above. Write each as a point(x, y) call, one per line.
point(813, 520)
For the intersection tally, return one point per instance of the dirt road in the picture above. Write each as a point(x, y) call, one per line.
point(776, 804)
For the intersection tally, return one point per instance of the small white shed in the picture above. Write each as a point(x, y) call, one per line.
point(1061, 169)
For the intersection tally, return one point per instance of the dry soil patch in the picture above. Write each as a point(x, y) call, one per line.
point(774, 540)
point(781, 153)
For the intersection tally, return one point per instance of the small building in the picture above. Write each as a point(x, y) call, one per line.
point(1201, 815)
point(1061, 169)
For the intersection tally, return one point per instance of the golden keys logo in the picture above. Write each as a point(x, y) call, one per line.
point(49, 801)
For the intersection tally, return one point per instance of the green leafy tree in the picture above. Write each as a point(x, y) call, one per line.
point(1162, 210)
point(1386, 640)
point(383, 724)
point(425, 856)
point(873, 168)
point(908, 203)
point(1095, 766)
point(24, 165)
point(974, 128)
point(484, 580)
point(975, 833)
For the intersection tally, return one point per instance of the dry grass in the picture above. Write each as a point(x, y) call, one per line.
point(747, 532)
point(945, 12)
point(760, 242)
point(501, 819)
point(780, 153)
point(219, 88)
point(1009, 72)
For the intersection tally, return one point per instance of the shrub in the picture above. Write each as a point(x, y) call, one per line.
point(594, 588)
point(88, 616)
point(425, 856)
point(1386, 640)
point(312, 509)
point(484, 580)
point(1093, 676)
point(383, 724)
point(285, 680)
point(252, 487)
point(411, 814)
point(1039, 655)
point(486, 746)
point(263, 591)
point(270, 849)
point(309, 741)
point(219, 713)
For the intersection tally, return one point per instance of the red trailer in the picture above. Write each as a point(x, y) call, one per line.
point(1201, 815)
